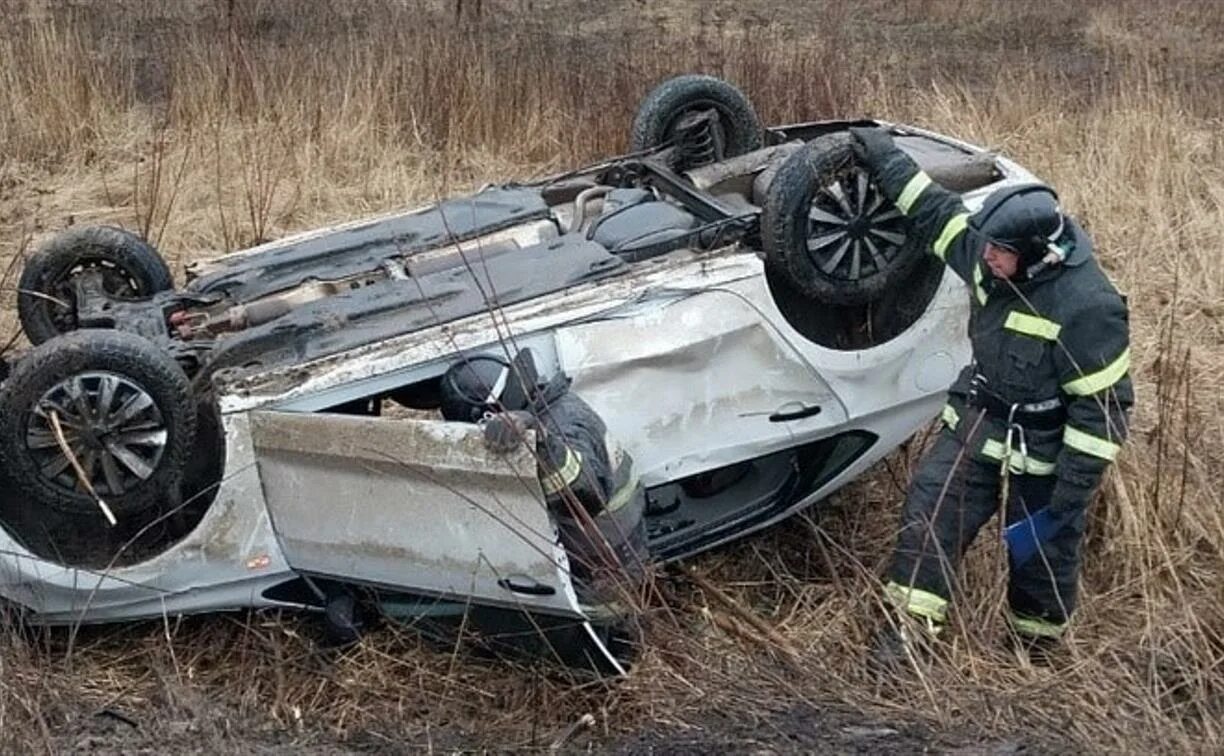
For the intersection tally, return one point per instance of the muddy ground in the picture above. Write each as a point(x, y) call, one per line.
point(774, 728)
point(801, 729)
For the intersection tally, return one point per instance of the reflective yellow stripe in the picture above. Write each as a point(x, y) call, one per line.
point(1016, 462)
point(622, 495)
point(1032, 325)
point(1036, 628)
point(977, 284)
point(917, 601)
point(556, 481)
point(1101, 379)
point(1090, 444)
point(912, 190)
point(950, 416)
point(950, 231)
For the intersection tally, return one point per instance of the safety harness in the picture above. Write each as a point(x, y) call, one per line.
point(1045, 414)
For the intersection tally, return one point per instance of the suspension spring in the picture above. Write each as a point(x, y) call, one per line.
point(696, 142)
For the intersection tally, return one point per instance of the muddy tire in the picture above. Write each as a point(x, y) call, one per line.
point(829, 232)
point(205, 468)
point(123, 406)
point(130, 267)
point(662, 110)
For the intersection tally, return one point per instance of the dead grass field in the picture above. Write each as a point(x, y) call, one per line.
point(209, 125)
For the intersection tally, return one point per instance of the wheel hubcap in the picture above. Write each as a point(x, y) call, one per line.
point(853, 231)
point(112, 426)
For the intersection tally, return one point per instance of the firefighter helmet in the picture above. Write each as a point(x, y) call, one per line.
point(1025, 219)
point(484, 383)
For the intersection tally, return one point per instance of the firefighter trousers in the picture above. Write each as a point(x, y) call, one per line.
point(952, 495)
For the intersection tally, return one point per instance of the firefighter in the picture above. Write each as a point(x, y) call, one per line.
point(1032, 422)
point(591, 490)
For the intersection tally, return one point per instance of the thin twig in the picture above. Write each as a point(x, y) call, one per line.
point(741, 612)
point(76, 467)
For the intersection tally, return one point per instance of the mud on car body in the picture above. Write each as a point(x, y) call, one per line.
point(739, 304)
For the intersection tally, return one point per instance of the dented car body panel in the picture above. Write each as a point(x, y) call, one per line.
point(436, 480)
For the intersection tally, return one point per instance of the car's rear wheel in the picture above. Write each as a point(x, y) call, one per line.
point(97, 416)
point(129, 268)
point(704, 117)
point(829, 231)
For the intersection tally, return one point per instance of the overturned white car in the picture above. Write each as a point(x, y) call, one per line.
point(737, 303)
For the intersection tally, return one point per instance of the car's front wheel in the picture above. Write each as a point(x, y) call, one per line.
point(830, 232)
point(97, 420)
point(128, 266)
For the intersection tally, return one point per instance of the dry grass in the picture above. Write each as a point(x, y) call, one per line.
point(211, 125)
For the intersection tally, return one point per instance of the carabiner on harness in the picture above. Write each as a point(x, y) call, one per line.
point(1014, 431)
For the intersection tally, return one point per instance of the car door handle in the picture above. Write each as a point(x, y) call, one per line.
point(794, 411)
point(526, 585)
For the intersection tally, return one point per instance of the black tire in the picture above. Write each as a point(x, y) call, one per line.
point(663, 108)
point(828, 231)
point(147, 429)
point(132, 269)
point(205, 468)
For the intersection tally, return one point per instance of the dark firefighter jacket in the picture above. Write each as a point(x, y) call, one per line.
point(1062, 334)
point(592, 490)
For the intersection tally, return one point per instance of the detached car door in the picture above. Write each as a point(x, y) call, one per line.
point(418, 506)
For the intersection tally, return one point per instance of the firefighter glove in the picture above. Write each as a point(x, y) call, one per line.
point(871, 144)
point(505, 431)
